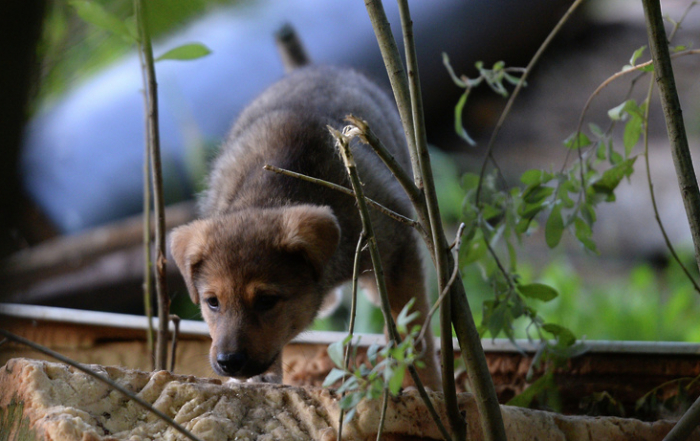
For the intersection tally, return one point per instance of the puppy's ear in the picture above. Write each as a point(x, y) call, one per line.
point(187, 245)
point(312, 230)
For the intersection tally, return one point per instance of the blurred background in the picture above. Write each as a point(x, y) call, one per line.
point(72, 164)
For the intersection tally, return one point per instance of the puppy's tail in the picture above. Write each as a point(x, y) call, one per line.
point(291, 48)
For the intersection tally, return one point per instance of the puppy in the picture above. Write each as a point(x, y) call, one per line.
point(269, 249)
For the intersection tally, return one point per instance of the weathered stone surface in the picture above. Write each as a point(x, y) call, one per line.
point(58, 402)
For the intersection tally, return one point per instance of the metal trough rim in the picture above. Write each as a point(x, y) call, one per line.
point(197, 328)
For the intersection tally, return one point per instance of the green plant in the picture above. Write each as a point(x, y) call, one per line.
point(385, 369)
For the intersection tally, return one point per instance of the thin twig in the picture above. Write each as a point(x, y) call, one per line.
point(101, 378)
point(650, 183)
point(176, 333)
point(619, 75)
point(460, 315)
point(151, 97)
point(456, 246)
point(397, 78)
point(516, 91)
point(376, 205)
point(360, 129)
point(353, 313)
point(385, 403)
point(350, 165)
point(367, 136)
point(663, 71)
point(148, 264)
point(441, 248)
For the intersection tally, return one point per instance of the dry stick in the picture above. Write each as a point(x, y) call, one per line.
point(353, 313)
point(397, 78)
point(460, 311)
point(670, 103)
point(367, 136)
point(385, 402)
point(438, 235)
point(101, 378)
point(151, 96)
point(456, 246)
point(518, 87)
point(148, 265)
point(350, 165)
point(376, 205)
point(652, 193)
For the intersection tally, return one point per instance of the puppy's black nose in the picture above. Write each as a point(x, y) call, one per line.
point(232, 362)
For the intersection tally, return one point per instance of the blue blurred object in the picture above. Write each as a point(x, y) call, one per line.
point(83, 157)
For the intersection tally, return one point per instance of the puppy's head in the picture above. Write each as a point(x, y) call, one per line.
point(257, 275)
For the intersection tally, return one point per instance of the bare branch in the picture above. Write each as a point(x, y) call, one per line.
point(151, 97)
point(397, 78)
point(343, 145)
point(376, 205)
point(353, 313)
point(652, 193)
point(448, 287)
point(518, 87)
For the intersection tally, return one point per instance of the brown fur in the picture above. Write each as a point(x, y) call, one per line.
point(269, 248)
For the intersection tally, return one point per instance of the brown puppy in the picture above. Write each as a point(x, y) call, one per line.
point(270, 248)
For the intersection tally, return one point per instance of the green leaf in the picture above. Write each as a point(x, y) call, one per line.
point(532, 177)
point(96, 15)
point(554, 228)
point(470, 181)
point(617, 112)
point(333, 376)
point(638, 53)
point(523, 225)
point(679, 48)
point(529, 211)
point(372, 353)
point(459, 128)
point(596, 130)
point(612, 177)
point(404, 318)
point(588, 214)
point(601, 151)
point(189, 51)
point(349, 385)
point(536, 194)
point(564, 336)
point(538, 291)
point(633, 130)
point(396, 379)
point(584, 234)
point(350, 401)
point(577, 141)
point(472, 252)
point(336, 351)
point(525, 398)
point(448, 66)
point(497, 320)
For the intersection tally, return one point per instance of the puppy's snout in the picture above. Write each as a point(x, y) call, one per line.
point(232, 362)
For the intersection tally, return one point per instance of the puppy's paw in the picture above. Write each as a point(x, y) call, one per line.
point(265, 378)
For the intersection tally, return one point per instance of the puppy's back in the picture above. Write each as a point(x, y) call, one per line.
point(286, 127)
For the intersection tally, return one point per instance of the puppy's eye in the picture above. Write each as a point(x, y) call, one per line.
point(265, 302)
point(212, 303)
